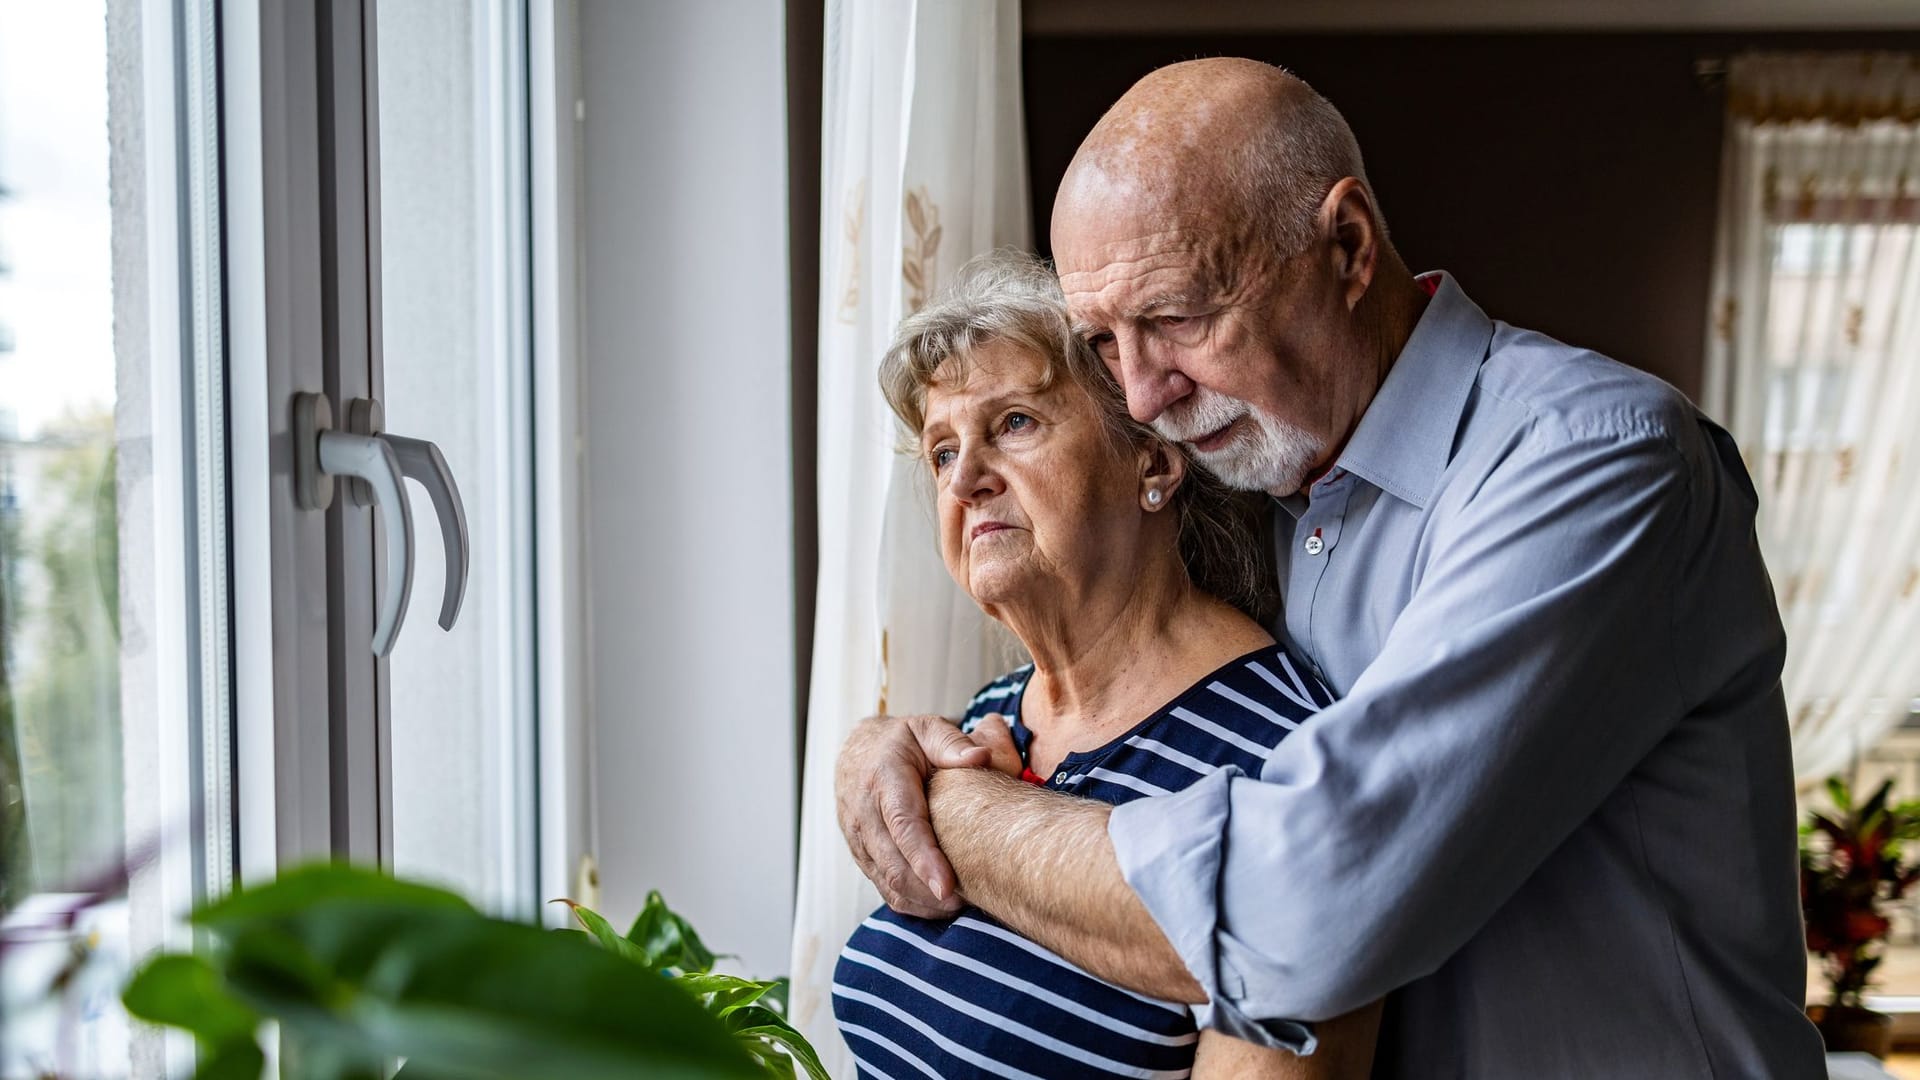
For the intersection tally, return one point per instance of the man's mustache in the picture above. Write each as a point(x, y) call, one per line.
point(1201, 414)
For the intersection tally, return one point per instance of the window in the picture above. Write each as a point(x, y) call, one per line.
point(454, 354)
point(114, 724)
point(189, 687)
point(1816, 339)
point(1810, 365)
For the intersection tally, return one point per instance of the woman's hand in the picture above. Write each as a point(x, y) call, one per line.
point(993, 733)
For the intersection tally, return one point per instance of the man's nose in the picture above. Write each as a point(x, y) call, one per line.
point(1150, 383)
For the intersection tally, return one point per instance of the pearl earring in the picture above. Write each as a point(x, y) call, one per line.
point(1153, 496)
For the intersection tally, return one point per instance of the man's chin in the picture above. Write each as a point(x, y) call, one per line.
point(1234, 473)
point(1238, 473)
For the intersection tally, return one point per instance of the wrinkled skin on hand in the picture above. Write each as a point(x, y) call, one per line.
point(880, 797)
point(993, 733)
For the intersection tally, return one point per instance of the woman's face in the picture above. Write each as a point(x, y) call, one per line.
point(1036, 497)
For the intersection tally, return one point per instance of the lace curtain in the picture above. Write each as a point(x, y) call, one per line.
point(924, 166)
point(1813, 362)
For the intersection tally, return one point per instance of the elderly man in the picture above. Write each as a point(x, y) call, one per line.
point(1551, 818)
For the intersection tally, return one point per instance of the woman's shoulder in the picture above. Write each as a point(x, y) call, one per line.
point(1002, 696)
point(1271, 679)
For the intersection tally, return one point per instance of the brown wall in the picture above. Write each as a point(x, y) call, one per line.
point(1569, 181)
point(806, 28)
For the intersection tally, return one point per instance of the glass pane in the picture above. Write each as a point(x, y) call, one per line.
point(455, 372)
point(60, 735)
point(112, 713)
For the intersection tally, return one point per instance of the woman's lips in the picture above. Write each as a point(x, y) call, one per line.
point(986, 527)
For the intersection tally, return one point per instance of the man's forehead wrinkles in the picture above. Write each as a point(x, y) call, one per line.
point(1124, 289)
point(1124, 268)
point(1182, 240)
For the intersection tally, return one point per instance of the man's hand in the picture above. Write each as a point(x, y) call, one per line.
point(880, 794)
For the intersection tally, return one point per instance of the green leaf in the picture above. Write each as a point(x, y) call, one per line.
point(310, 1056)
point(1879, 799)
point(514, 1002)
point(667, 940)
point(604, 933)
point(1837, 791)
point(359, 970)
point(240, 1059)
point(186, 992)
point(294, 891)
point(793, 1042)
point(760, 1022)
point(721, 994)
point(777, 993)
point(771, 1060)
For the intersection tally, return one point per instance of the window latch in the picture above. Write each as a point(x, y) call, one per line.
point(381, 461)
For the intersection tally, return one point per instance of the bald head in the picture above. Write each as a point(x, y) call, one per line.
point(1219, 248)
point(1225, 140)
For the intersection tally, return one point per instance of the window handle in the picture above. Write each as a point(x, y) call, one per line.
point(381, 460)
point(371, 458)
point(421, 460)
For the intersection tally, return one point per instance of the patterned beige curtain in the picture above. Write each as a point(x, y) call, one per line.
point(1814, 364)
point(924, 166)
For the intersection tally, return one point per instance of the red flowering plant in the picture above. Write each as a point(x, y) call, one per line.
point(1852, 866)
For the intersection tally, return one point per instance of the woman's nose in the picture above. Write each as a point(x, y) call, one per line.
point(974, 478)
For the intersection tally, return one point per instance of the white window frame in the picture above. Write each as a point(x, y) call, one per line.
point(289, 793)
point(312, 737)
point(565, 800)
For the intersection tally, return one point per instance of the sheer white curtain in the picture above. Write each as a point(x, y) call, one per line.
point(1814, 363)
point(924, 166)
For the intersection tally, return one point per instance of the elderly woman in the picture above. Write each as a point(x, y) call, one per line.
point(1130, 582)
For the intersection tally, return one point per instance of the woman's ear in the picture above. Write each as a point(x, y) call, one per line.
point(1163, 468)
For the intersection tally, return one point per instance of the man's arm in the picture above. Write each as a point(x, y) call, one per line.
point(1346, 1052)
point(1041, 862)
point(1528, 675)
point(1533, 668)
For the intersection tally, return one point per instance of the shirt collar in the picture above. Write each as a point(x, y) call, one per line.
point(1405, 437)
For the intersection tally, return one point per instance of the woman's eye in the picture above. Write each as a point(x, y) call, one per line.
point(1019, 421)
point(942, 457)
point(1175, 320)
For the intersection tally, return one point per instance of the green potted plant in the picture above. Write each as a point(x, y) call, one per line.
point(360, 970)
point(1852, 867)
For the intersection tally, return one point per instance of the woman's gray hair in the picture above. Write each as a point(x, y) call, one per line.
point(1011, 296)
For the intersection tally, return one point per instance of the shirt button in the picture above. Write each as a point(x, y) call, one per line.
point(1060, 777)
point(1315, 545)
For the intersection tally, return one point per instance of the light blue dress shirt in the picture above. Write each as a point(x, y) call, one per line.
point(1553, 811)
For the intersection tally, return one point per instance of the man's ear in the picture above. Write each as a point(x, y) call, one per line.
point(1347, 216)
point(1163, 468)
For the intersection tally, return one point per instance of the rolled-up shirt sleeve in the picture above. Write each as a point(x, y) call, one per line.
point(1530, 670)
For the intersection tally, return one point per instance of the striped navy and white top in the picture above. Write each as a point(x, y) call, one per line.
point(967, 996)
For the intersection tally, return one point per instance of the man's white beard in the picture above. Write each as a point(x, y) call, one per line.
point(1267, 455)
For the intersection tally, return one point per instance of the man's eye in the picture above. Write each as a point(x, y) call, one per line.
point(1175, 320)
